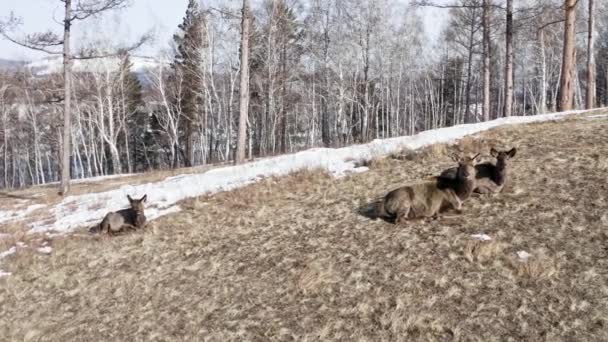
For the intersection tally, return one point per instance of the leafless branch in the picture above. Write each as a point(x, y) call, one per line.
point(86, 9)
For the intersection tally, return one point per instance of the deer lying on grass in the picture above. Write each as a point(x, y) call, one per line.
point(491, 178)
point(130, 218)
point(426, 199)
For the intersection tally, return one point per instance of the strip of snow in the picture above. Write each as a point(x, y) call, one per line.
point(481, 237)
point(11, 251)
point(18, 214)
point(596, 116)
point(4, 274)
point(95, 179)
point(87, 209)
point(523, 255)
point(45, 250)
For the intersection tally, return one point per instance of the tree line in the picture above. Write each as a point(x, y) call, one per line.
point(286, 75)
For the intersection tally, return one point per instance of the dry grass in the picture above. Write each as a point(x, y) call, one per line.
point(291, 259)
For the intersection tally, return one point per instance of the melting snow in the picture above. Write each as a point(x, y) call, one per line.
point(78, 211)
point(11, 251)
point(596, 116)
point(4, 274)
point(45, 250)
point(523, 255)
point(481, 237)
point(12, 215)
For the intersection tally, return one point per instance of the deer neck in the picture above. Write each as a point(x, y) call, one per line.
point(501, 172)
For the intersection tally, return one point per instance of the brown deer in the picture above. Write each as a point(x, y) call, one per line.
point(129, 218)
point(426, 199)
point(491, 178)
point(463, 179)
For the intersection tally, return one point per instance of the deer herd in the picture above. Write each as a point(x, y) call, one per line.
point(414, 201)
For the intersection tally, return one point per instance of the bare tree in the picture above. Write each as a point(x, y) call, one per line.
point(590, 98)
point(244, 87)
point(486, 60)
point(509, 61)
point(48, 42)
point(566, 84)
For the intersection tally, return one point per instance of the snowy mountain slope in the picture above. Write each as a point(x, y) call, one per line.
point(51, 65)
point(84, 210)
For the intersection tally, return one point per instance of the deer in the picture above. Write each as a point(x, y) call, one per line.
point(491, 178)
point(130, 218)
point(426, 199)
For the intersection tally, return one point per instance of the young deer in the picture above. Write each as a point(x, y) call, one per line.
point(425, 199)
point(130, 218)
point(490, 178)
point(463, 178)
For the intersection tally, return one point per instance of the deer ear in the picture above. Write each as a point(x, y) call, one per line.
point(512, 152)
point(493, 152)
point(130, 199)
point(143, 199)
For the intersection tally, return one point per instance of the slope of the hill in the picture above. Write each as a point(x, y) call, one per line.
point(292, 259)
point(81, 210)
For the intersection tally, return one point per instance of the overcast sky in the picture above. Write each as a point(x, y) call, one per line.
point(161, 16)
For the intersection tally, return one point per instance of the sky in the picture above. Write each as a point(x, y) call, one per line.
point(159, 16)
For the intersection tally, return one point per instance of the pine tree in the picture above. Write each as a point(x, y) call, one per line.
point(188, 65)
point(131, 101)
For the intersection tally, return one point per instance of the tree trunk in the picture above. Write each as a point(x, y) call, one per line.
point(566, 84)
point(244, 87)
point(486, 60)
point(509, 61)
point(590, 97)
point(67, 88)
point(543, 73)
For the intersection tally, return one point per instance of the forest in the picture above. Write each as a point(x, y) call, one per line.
point(279, 76)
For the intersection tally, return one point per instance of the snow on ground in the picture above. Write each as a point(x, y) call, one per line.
point(4, 274)
point(95, 179)
point(84, 210)
point(599, 116)
point(45, 250)
point(481, 237)
point(10, 251)
point(17, 214)
point(523, 255)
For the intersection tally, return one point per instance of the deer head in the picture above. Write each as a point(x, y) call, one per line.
point(138, 204)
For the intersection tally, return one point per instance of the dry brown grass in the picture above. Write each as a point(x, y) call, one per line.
point(291, 259)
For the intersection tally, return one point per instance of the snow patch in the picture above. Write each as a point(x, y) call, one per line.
point(596, 116)
point(523, 255)
point(481, 237)
point(95, 179)
point(11, 251)
point(4, 274)
point(78, 211)
point(45, 250)
point(13, 215)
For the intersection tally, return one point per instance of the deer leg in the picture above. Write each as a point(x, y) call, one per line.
point(455, 202)
point(402, 215)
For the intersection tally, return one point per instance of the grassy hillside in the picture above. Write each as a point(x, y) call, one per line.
point(292, 259)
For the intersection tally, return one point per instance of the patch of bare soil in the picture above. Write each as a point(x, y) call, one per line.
point(292, 259)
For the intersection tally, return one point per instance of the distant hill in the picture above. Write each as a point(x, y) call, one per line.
point(9, 64)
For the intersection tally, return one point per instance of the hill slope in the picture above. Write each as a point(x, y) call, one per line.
point(291, 259)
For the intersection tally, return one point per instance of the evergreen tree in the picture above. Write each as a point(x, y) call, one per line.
point(188, 66)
